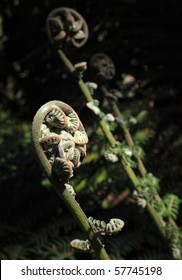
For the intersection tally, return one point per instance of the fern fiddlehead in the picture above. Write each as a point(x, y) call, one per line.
point(59, 140)
point(102, 68)
point(66, 26)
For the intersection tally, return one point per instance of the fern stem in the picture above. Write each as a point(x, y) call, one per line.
point(153, 213)
point(156, 219)
point(71, 69)
point(60, 188)
point(127, 135)
point(107, 132)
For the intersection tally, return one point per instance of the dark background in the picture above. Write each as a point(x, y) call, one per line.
point(144, 39)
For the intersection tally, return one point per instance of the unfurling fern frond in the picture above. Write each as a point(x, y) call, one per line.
point(81, 245)
point(149, 186)
point(100, 227)
point(172, 203)
point(120, 150)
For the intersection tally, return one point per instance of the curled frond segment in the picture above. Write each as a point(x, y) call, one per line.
point(65, 26)
point(102, 67)
point(56, 117)
point(81, 245)
point(100, 227)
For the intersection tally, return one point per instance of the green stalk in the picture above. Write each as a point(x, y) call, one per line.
point(79, 81)
point(60, 188)
point(127, 135)
point(153, 213)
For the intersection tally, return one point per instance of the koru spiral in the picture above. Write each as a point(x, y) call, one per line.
point(101, 67)
point(59, 139)
point(66, 26)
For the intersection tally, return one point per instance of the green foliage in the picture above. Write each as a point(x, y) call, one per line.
point(149, 186)
point(176, 243)
point(172, 203)
point(136, 243)
point(122, 151)
point(137, 151)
